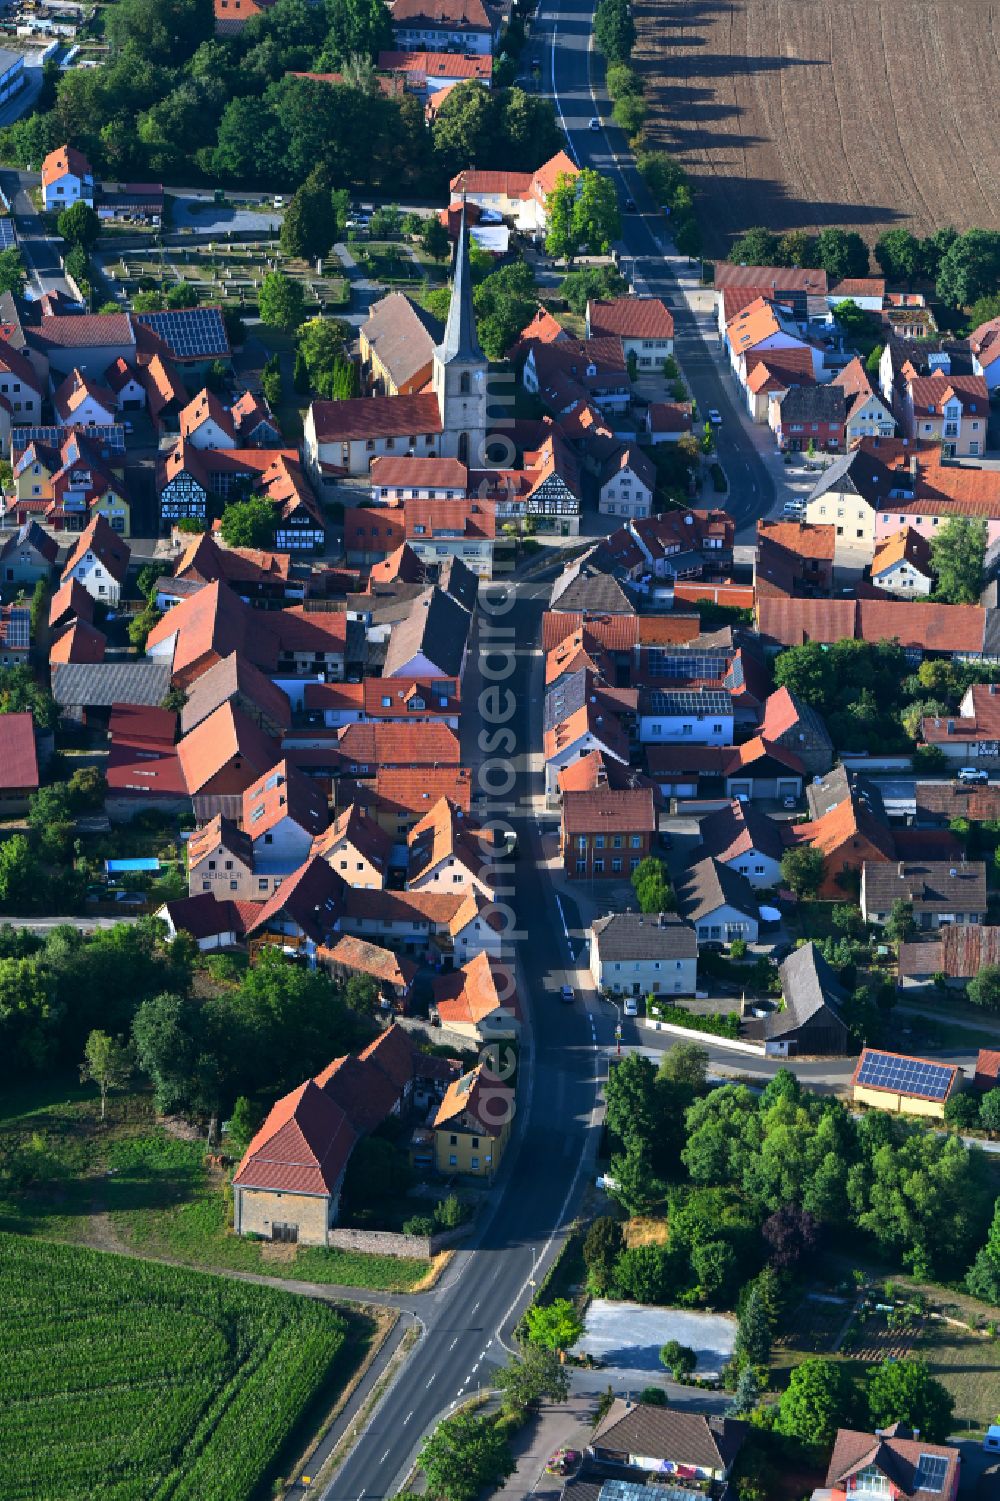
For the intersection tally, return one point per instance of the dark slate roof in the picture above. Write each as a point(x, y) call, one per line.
point(930, 885)
point(813, 404)
point(582, 587)
point(458, 580)
point(693, 1438)
point(631, 935)
point(31, 535)
point(859, 473)
point(438, 627)
point(708, 885)
point(100, 684)
point(460, 340)
point(807, 985)
point(840, 784)
point(564, 697)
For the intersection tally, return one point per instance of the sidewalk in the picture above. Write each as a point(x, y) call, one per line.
point(563, 1426)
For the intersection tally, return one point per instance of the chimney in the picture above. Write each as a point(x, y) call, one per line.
point(914, 466)
point(900, 870)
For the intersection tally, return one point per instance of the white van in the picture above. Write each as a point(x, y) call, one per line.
point(992, 1440)
point(973, 774)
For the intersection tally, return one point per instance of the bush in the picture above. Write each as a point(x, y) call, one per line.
point(419, 1224)
point(719, 1026)
point(719, 483)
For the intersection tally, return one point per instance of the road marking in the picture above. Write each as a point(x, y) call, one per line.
point(407, 1418)
point(562, 919)
point(475, 1368)
point(476, 1305)
point(555, 91)
point(453, 1343)
point(432, 1380)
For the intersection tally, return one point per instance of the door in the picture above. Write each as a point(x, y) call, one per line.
point(287, 1234)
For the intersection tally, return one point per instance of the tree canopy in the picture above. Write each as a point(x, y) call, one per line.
point(957, 552)
point(249, 523)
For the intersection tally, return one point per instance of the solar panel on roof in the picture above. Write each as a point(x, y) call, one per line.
point(689, 701)
point(931, 1470)
point(18, 632)
point(7, 236)
point(107, 439)
point(628, 1490)
point(196, 333)
point(906, 1075)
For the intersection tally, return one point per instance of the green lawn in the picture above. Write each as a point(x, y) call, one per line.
point(130, 1380)
point(130, 1185)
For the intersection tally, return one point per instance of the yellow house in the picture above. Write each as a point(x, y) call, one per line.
point(472, 1126)
point(356, 847)
point(905, 1085)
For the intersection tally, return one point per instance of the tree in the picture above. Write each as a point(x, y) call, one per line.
point(464, 1455)
point(983, 1277)
point(591, 284)
point(434, 238)
point(361, 993)
point(685, 1063)
point(790, 1232)
point(957, 552)
point(796, 248)
point(614, 30)
point(583, 213)
point(79, 225)
point(969, 268)
point(636, 1185)
point(989, 1115)
point(532, 1375)
point(281, 301)
point(753, 1334)
point(307, 229)
point(603, 1246)
point(755, 247)
point(680, 1360)
point(802, 869)
point(240, 1131)
point(646, 1274)
point(630, 1112)
point(898, 254)
point(904, 1391)
point(51, 820)
point(555, 1326)
point(630, 111)
point(182, 295)
point(505, 301)
point(357, 28)
point(249, 523)
point(87, 788)
point(321, 343)
point(140, 626)
point(962, 1110)
point(377, 1171)
point(899, 925)
point(652, 886)
point(746, 1394)
point(105, 1063)
point(984, 988)
point(841, 253)
point(12, 273)
point(661, 174)
point(820, 1398)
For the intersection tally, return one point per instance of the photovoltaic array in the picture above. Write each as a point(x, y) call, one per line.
point(196, 333)
point(907, 1075)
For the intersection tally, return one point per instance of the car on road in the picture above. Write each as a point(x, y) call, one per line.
point(973, 774)
point(278, 201)
point(630, 205)
point(631, 1006)
point(567, 995)
point(595, 123)
point(715, 416)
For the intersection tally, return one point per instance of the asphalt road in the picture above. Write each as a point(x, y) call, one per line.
point(41, 254)
point(572, 73)
point(488, 1285)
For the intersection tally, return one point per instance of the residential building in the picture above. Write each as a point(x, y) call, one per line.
point(207, 627)
point(668, 421)
point(762, 326)
point(283, 814)
point(574, 370)
point(902, 565)
point(627, 483)
point(99, 562)
point(235, 680)
point(220, 861)
point(972, 736)
point(356, 847)
point(645, 326)
point(205, 422)
point(395, 480)
point(463, 26)
point(938, 804)
point(767, 374)
point(432, 641)
point(808, 415)
point(364, 747)
point(82, 400)
point(667, 1440)
point(743, 837)
point(212, 923)
point(67, 177)
point(27, 555)
point(957, 953)
point(761, 768)
point(221, 757)
point(303, 912)
point(521, 197)
point(397, 345)
point(922, 628)
point(894, 1461)
point(633, 954)
point(438, 530)
point(479, 1001)
point(433, 73)
point(984, 343)
point(445, 854)
point(702, 716)
point(866, 414)
point(719, 902)
point(903, 1084)
point(12, 76)
point(810, 1019)
point(473, 1125)
point(952, 410)
point(394, 974)
point(802, 289)
point(938, 891)
point(606, 834)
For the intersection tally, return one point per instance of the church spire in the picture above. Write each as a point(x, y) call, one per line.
point(460, 341)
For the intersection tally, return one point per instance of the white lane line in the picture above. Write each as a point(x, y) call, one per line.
point(385, 1456)
point(562, 919)
point(475, 1368)
point(453, 1343)
point(555, 91)
point(432, 1380)
point(407, 1418)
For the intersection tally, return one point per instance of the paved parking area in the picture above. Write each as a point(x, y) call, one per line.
point(628, 1336)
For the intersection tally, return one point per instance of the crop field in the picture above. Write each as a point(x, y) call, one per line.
point(127, 1380)
point(798, 114)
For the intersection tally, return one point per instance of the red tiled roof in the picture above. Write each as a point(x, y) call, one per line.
point(631, 318)
point(391, 471)
point(777, 278)
point(78, 642)
point(467, 1096)
point(375, 417)
point(225, 737)
point(282, 792)
point(419, 744)
point(437, 64)
point(62, 162)
point(416, 791)
point(18, 761)
point(112, 551)
point(369, 959)
point(603, 811)
point(302, 1147)
point(477, 990)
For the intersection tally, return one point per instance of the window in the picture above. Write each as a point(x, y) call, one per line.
point(475, 1162)
point(475, 1143)
point(598, 867)
point(616, 866)
point(598, 841)
point(581, 867)
point(453, 1141)
point(453, 1160)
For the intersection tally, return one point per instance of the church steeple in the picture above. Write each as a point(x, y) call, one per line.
point(460, 341)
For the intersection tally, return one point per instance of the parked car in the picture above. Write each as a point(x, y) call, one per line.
point(715, 416)
point(973, 774)
point(595, 123)
point(631, 1006)
point(567, 995)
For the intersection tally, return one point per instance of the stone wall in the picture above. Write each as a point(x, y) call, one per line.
point(387, 1243)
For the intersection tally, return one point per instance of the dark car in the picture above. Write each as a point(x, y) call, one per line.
point(630, 205)
point(567, 995)
point(780, 952)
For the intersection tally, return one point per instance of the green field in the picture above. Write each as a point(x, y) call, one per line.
point(127, 1380)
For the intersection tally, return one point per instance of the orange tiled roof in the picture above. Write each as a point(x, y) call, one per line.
point(302, 1147)
point(905, 545)
point(477, 990)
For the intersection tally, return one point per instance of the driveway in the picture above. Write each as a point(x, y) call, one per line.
point(200, 212)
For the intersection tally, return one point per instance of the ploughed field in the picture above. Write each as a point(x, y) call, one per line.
point(128, 1380)
point(800, 114)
